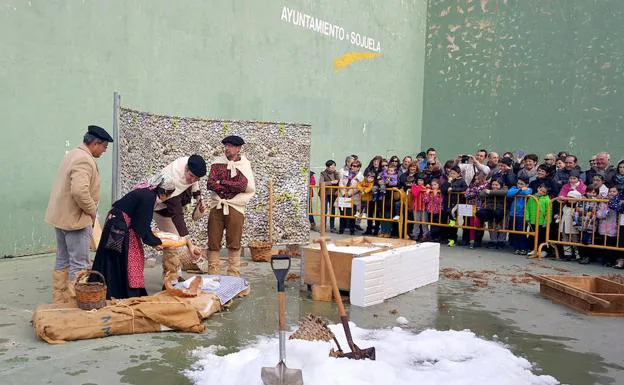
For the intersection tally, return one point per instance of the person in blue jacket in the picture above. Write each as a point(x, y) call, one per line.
point(518, 196)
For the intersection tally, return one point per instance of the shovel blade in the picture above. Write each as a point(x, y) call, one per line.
point(281, 375)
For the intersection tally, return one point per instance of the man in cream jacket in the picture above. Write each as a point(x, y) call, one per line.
point(72, 210)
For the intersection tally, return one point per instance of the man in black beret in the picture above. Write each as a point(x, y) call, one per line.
point(233, 140)
point(99, 133)
point(231, 185)
point(72, 210)
point(169, 215)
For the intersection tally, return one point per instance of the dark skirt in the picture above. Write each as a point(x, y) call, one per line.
point(113, 265)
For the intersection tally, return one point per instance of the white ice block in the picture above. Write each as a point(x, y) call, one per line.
point(389, 273)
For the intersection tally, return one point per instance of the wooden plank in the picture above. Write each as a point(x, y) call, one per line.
point(564, 299)
point(96, 235)
point(584, 295)
point(608, 287)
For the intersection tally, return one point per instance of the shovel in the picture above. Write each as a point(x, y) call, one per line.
point(280, 374)
point(356, 352)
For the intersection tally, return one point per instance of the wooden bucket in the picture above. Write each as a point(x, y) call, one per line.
point(90, 295)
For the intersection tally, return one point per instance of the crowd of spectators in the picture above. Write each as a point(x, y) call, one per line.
point(484, 180)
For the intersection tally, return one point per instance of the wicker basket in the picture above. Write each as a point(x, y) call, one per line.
point(90, 295)
point(261, 250)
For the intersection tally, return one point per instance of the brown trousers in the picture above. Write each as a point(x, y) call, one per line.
point(233, 226)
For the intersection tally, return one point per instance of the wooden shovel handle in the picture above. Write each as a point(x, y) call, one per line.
point(322, 230)
point(281, 299)
point(271, 211)
point(332, 276)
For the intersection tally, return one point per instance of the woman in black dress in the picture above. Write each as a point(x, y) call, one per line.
point(120, 256)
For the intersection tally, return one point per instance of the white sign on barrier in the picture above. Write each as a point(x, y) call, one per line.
point(465, 210)
point(344, 202)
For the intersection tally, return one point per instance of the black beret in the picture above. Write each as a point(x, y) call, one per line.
point(197, 165)
point(233, 140)
point(99, 133)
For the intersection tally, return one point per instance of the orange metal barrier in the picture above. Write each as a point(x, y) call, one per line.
point(380, 211)
point(578, 225)
point(468, 210)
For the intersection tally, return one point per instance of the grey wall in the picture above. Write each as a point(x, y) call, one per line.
point(535, 75)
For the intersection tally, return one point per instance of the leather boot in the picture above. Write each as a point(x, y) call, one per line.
point(214, 263)
point(70, 297)
point(60, 280)
point(233, 268)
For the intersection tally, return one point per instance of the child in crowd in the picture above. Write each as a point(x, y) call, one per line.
point(417, 192)
point(330, 177)
point(574, 184)
point(349, 190)
point(456, 186)
point(617, 204)
point(608, 227)
point(366, 196)
point(585, 222)
point(518, 195)
point(392, 181)
point(493, 212)
point(543, 200)
point(598, 181)
point(477, 185)
point(574, 189)
point(432, 199)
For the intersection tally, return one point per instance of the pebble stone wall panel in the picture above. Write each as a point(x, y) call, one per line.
point(277, 151)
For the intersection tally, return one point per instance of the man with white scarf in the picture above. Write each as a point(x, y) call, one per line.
point(231, 185)
point(169, 214)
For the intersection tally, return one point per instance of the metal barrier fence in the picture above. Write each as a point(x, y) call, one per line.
point(577, 220)
point(584, 223)
point(464, 213)
point(343, 202)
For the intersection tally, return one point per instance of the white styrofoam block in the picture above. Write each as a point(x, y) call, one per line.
point(389, 273)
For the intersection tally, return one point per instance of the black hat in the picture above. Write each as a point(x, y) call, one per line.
point(197, 165)
point(233, 140)
point(99, 133)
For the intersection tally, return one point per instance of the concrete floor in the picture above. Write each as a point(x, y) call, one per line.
point(575, 348)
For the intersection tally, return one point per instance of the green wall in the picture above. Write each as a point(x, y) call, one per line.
point(525, 74)
point(62, 60)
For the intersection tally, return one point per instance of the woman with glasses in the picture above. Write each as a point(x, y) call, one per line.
point(349, 182)
point(347, 166)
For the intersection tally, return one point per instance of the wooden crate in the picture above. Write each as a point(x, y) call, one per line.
point(341, 260)
point(590, 295)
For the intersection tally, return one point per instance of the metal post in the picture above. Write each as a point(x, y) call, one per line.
point(115, 179)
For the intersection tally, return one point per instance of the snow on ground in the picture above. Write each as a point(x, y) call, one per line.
point(430, 357)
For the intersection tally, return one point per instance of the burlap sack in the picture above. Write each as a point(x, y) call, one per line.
point(59, 323)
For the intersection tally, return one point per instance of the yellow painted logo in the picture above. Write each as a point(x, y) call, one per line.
point(345, 60)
